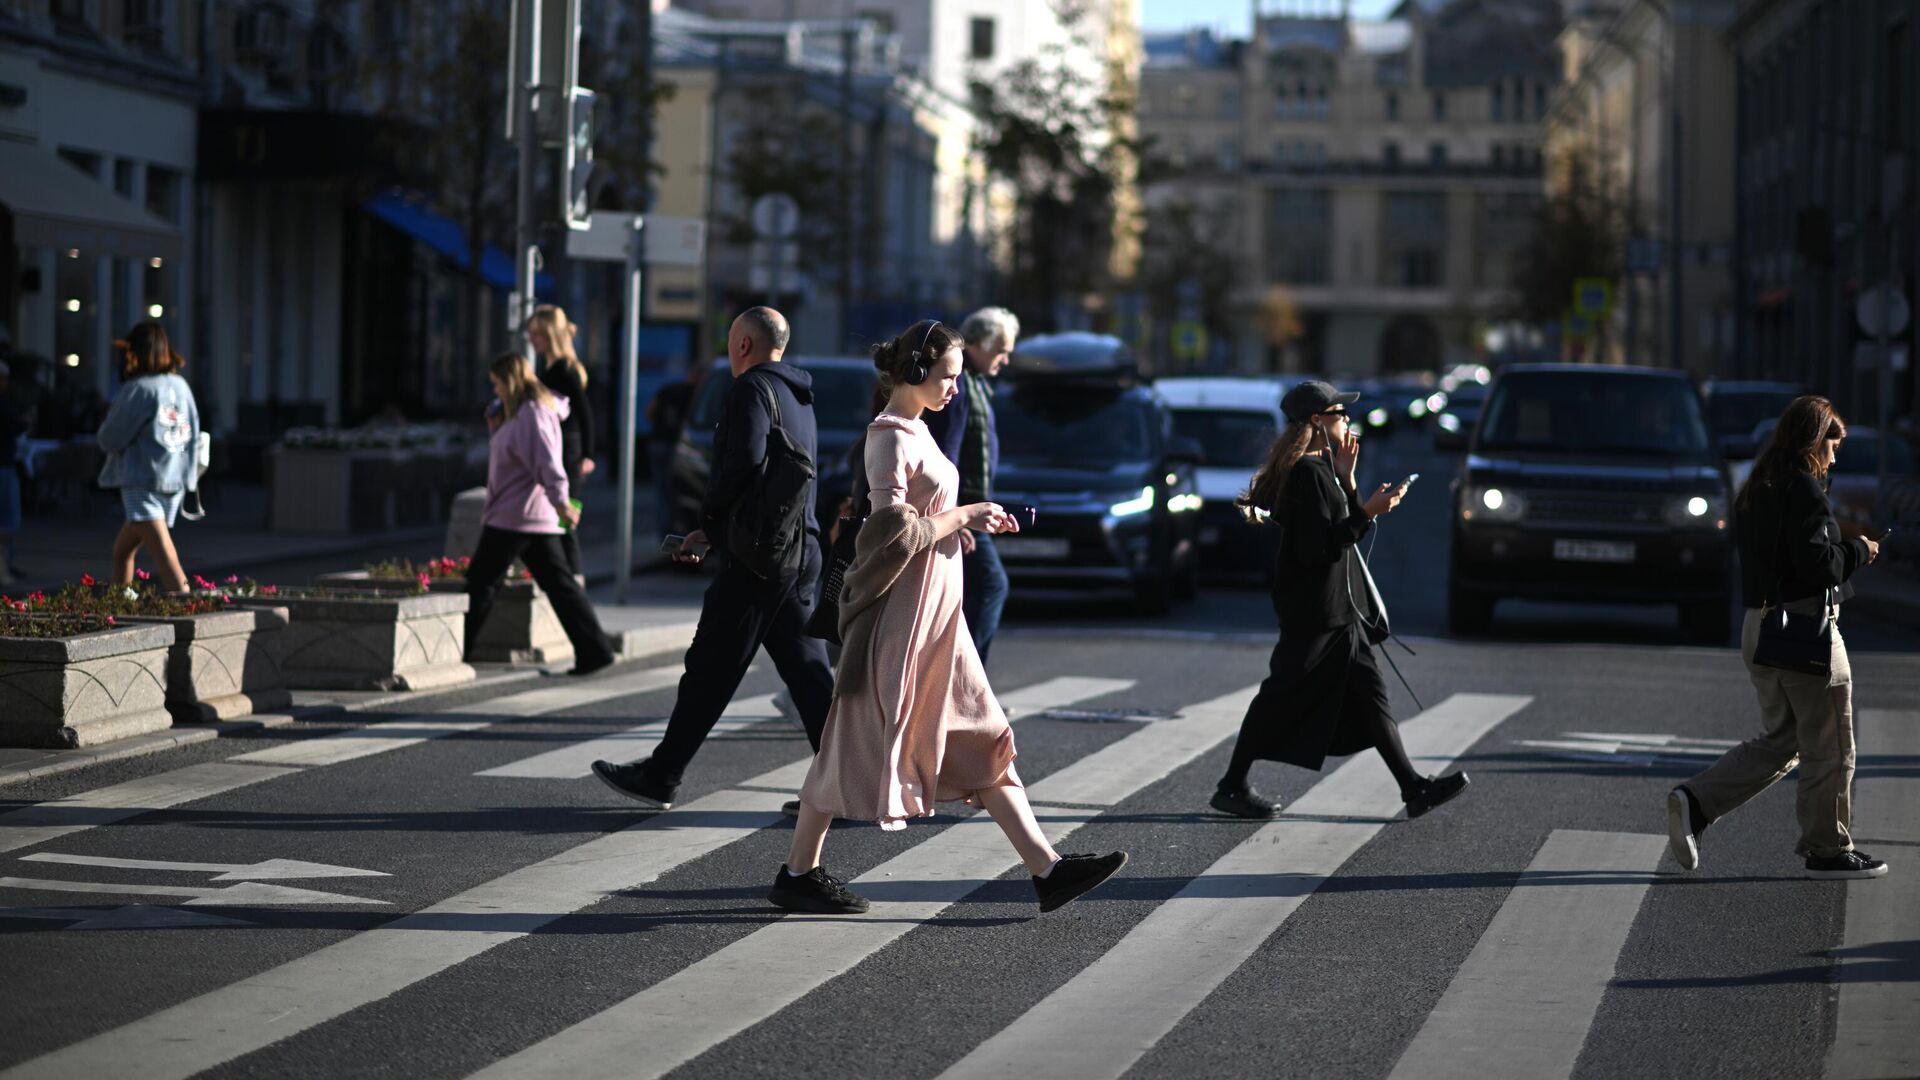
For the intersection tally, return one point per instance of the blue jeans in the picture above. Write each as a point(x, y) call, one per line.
point(984, 592)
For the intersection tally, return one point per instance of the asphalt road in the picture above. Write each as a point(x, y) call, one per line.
point(528, 923)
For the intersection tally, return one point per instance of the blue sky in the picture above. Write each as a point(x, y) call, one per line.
point(1230, 16)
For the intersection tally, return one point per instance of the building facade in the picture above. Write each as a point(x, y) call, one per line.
point(1374, 180)
point(1828, 124)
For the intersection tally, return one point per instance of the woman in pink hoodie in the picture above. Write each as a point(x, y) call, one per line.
point(528, 511)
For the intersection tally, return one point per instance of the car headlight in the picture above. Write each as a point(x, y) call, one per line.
point(1449, 423)
point(1698, 512)
point(1181, 504)
point(1491, 503)
point(1139, 504)
point(1378, 418)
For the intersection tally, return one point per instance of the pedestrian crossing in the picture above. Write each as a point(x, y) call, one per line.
point(1528, 991)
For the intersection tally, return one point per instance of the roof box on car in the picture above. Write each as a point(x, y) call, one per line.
point(1074, 355)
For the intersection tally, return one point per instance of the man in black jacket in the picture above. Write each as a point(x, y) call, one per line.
point(742, 612)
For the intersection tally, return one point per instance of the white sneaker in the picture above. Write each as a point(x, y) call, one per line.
point(783, 703)
point(1680, 833)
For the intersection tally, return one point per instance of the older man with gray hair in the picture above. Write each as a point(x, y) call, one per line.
point(965, 432)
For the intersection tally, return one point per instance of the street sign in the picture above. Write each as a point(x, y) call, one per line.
point(1592, 296)
point(1882, 305)
point(670, 241)
point(776, 216)
point(1189, 340)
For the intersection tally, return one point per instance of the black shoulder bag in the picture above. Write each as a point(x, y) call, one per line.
point(1790, 642)
point(765, 532)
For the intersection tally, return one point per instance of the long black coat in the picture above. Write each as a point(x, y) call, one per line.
point(1322, 679)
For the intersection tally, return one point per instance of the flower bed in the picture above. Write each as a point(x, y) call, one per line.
point(521, 628)
point(361, 639)
point(80, 680)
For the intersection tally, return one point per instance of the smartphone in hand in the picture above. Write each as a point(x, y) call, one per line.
point(671, 544)
point(1408, 482)
point(1024, 515)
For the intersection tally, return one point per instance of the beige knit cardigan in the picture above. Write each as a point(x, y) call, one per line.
point(890, 539)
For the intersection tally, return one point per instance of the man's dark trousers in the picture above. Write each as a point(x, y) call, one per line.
point(740, 614)
point(984, 590)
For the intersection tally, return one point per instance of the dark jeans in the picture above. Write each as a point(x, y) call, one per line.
point(546, 560)
point(984, 589)
point(742, 613)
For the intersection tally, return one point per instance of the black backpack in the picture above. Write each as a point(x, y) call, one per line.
point(766, 529)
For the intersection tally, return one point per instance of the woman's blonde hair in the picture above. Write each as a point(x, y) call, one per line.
point(518, 385)
point(560, 335)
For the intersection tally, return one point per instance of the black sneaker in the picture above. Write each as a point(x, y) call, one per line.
point(592, 664)
point(1074, 876)
point(1242, 802)
point(815, 892)
point(637, 782)
point(1685, 823)
point(1434, 791)
point(1847, 864)
point(791, 808)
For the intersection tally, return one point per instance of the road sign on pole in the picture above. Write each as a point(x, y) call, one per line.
point(628, 238)
point(1592, 296)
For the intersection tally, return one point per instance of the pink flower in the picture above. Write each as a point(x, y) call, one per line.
point(87, 580)
point(270, 590)
point(142, 575)
point(110, 621)
point(233, 579)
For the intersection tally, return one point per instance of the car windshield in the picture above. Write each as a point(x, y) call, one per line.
point(841, 396)
point(1072, 430)
point(1860, 453)
point(1735, 412)
point(1228, 436)
point(1581, 411)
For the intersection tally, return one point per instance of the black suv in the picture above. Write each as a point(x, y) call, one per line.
point(1093, 451)
point(1592, 483)
point(842, 400)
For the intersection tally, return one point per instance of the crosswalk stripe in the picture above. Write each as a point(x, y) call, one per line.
point(396, 734)
point(576, 761)
point(258, 1011)
point(1527, 994)
point(727, 992)
point(1099, 1023)
point(1875, 1034)
point(89, 809)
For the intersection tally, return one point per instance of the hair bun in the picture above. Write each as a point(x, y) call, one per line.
point(885, 355)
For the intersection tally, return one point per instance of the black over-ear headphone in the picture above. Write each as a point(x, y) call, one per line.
point(917, 366)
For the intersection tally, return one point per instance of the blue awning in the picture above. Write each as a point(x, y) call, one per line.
point(411, 215)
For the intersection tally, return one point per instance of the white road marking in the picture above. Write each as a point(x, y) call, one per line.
point(576, 761)
point(1876, 1033)
point(237, 895)
point(1527, 994)
point(1103, 1020)
point(727, 992)
point(264, 870)
point(256, 1012)
point(77, 813)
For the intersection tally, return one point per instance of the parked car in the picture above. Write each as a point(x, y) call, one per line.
point(1453, 425)
point(1094, 452)
point(1588, 483)
point(1235, 421)
point(1736, 409)
point(842, 400)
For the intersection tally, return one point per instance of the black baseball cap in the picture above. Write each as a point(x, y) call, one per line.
point(1312, 398)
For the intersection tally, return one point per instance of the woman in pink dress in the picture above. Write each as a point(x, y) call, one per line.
point(914, 720)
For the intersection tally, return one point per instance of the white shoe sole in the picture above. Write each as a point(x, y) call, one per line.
point(1680, 839)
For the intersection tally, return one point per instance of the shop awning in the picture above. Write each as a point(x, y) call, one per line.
point(413, 217)
point(56, 205)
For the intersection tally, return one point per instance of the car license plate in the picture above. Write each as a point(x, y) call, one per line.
point(1031, 547)
point(1209, 536)
point(1599, 551)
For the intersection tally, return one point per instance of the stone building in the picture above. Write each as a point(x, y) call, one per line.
point(1370, 182)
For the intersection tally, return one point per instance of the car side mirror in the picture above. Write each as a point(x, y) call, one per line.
point(1184, 448)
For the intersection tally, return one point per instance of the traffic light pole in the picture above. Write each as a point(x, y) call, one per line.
point(629, 409)
point(524, 87)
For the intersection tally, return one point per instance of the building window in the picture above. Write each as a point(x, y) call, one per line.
point(144, 23)
point(1439, 106)
point(1230, 102)
point(1299, 236)
point(1539, 101)
point(1393, 105)
point(163, 193)
point(1227, 155)
point(982, 42)
point(1390, 154)
point(1499, 156)
point(882, 20)
point(1280, 155)
point(1499, 106)
point(1416, 210)
point(1437, 155)
point(1416, 268)
point(1281, 106)
point(84, 160)
point(75, 17)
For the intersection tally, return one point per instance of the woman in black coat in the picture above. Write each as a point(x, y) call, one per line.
point(561, 371)
point(1323, 695)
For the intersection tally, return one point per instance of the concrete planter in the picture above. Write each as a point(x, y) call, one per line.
point(372, 642)
point(521, 628)
point(225, 664)
point(85, 690)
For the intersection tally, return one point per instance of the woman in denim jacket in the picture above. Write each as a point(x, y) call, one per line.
point(149, 436)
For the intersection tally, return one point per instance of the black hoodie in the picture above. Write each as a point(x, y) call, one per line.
point(740, 440)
